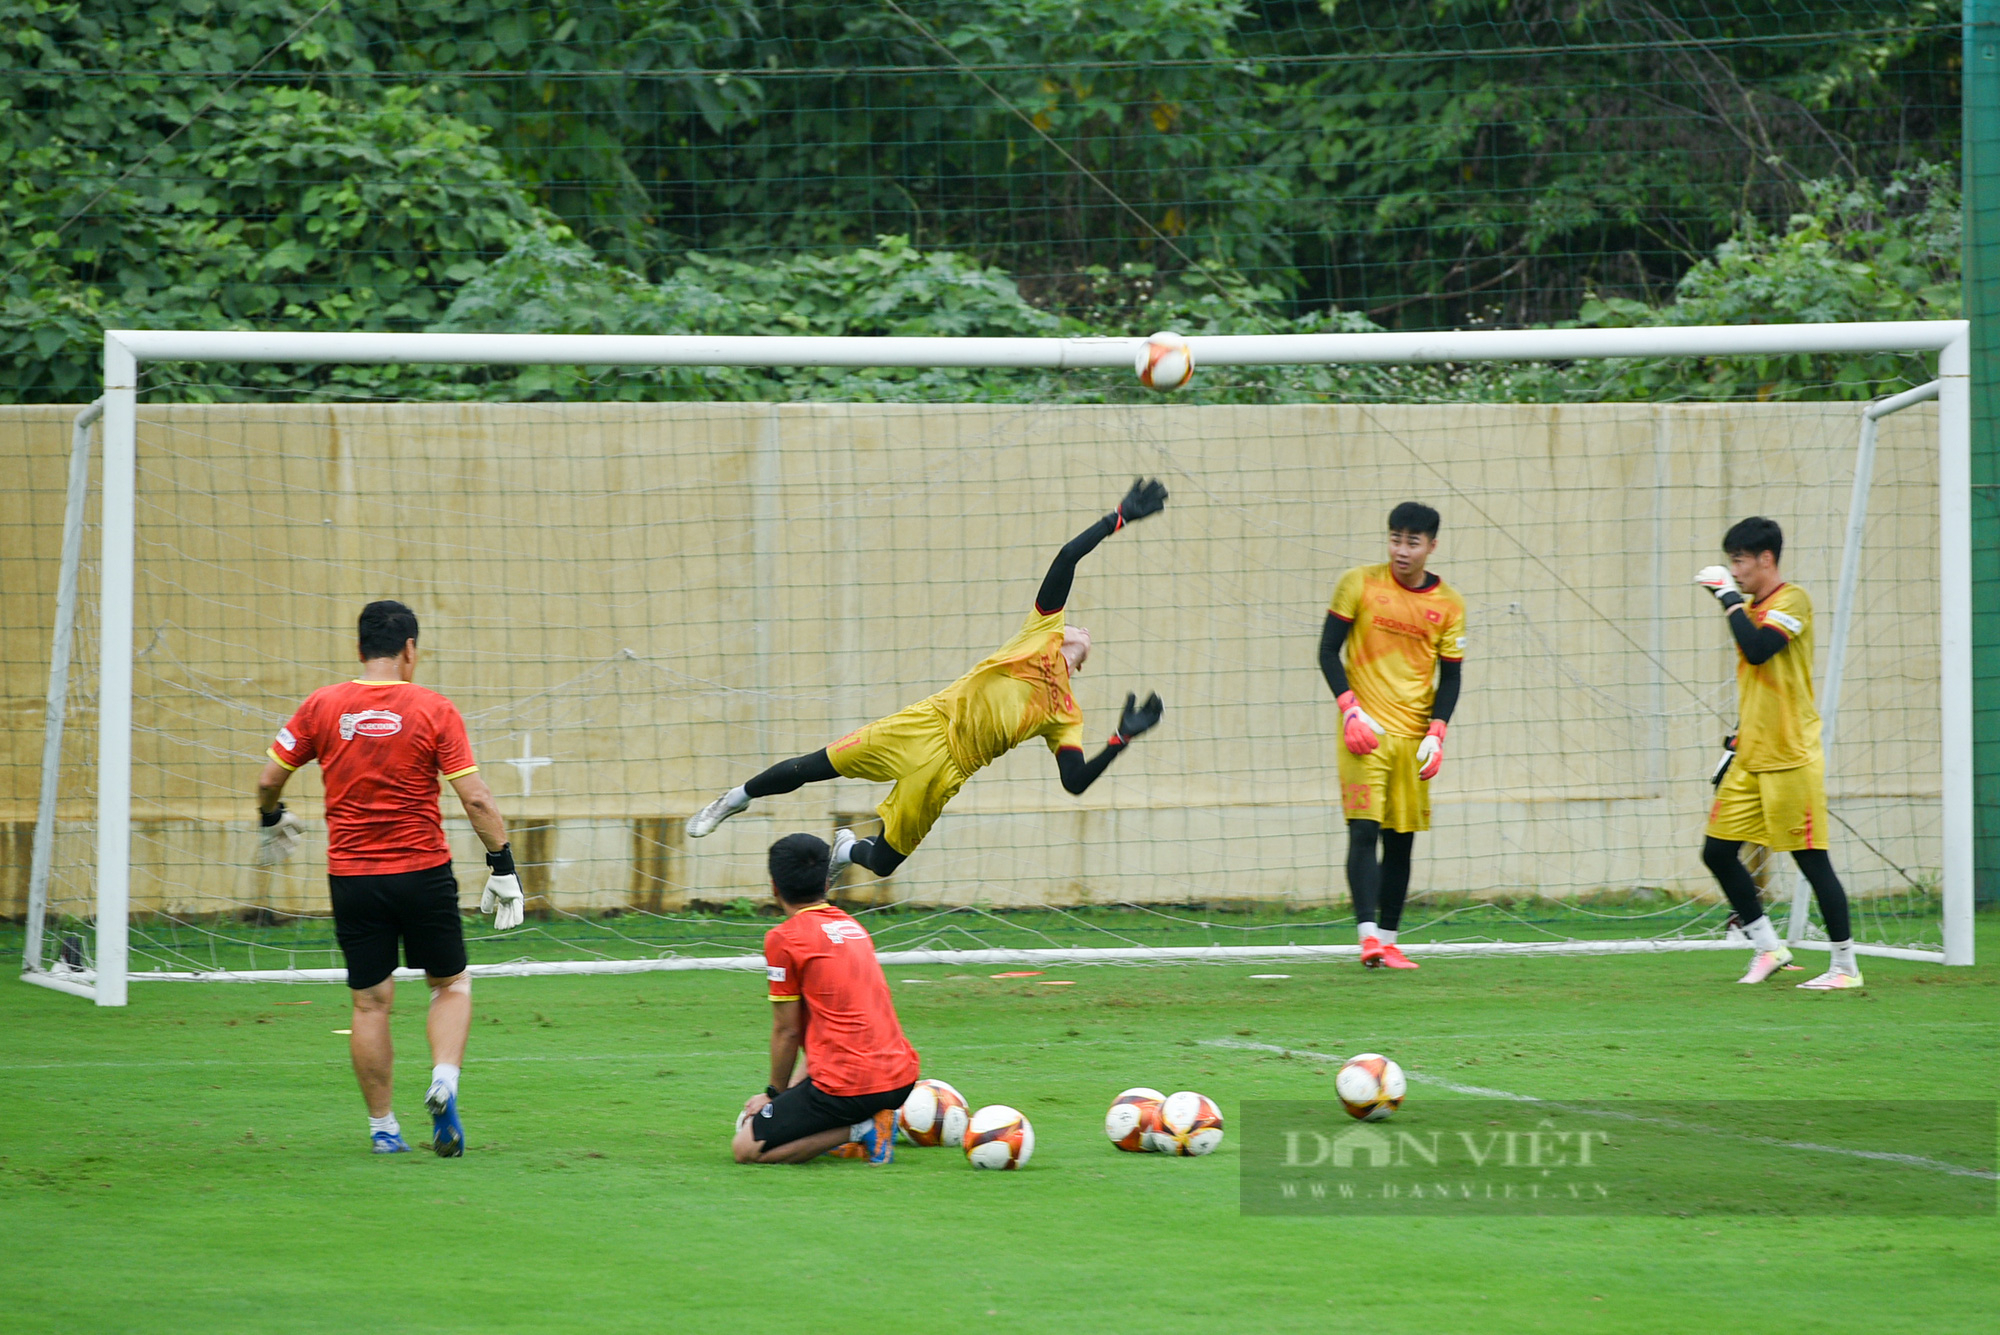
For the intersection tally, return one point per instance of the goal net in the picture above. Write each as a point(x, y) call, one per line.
point(637, 605)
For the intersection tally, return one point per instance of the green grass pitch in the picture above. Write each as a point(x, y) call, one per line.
point(197, 1162)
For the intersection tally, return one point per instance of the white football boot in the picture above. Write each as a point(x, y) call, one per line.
point(1766, 963)
point(1833, 980)
point(842, 857)
point(703, 822)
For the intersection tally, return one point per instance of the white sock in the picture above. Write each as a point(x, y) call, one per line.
point(389, 1124)
point(1843, 958)
point(739, 798)
point(1388, 935)
point(1763, 935)
point(1367, 929)
point(447, 1075)
point(861, 1128)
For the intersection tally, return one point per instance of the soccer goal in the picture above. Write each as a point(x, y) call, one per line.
point(637, 604)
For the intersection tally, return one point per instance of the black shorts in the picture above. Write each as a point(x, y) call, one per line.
point(371, 914)
point(803, 1110)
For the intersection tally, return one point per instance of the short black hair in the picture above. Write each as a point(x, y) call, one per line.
point(798, 868)
point(385, 627)
point(1413, 517)
point(1753, 535)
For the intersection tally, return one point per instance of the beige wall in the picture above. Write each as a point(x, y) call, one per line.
point(662, 598)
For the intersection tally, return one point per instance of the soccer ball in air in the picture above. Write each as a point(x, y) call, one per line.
point(999, 1137)
point(1190, 1125)
point(1134, 1116)
point(1165, 362)
point(934, 1114)
point(1370, 1086)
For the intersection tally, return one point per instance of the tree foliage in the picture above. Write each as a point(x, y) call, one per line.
point(1212, 164)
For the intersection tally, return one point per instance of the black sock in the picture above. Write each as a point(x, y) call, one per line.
point(1832, 897)
point(1364, 876)
point(1719, 856)
point(788, 776)
point(876, 855)
point(1395, 876)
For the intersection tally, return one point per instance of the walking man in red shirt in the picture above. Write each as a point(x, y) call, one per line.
point(382, 744)
point(826, 990)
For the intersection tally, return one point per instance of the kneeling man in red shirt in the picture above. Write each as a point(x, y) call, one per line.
point(827, 992)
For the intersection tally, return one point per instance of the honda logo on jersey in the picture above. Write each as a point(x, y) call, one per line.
point(370, 723)
point(837, 931)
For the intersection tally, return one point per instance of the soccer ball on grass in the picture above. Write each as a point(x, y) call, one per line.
point(1190, 1125)
point(999, 1137)
point(1134, 1117)
point(1370, 1086)
point(935, 1114)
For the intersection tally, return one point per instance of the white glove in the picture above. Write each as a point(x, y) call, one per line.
point(282, 832)
point(1718, 581)
point(1430, 751)
point(504, 900)
point(1722, 765)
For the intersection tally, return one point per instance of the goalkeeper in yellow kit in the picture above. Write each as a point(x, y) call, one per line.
point(931, 748)
point(1770, 788)
point(1402, 631)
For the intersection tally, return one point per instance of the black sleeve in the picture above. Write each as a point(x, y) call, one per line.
point(1078, 773)
point(1446, 698)
point(1759, 643)
point(1054, 593)
point(1331, 639)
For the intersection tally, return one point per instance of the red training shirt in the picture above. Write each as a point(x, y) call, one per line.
point(381, 746)
point(823, 959)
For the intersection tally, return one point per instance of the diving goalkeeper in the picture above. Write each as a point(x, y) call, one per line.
point(931, 748)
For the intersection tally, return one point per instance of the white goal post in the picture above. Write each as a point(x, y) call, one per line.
point(126, 351)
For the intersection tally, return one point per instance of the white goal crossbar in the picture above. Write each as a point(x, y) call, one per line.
point(126, 350)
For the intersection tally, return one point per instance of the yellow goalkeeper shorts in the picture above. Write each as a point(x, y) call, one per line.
point(1383, 786)
point(907, 749)
point(1782, 809)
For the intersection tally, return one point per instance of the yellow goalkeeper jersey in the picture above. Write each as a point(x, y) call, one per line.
point(1398, 638)
point(1019, 691)
point(1778, 723)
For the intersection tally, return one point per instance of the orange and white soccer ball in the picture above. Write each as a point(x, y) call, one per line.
point(1370, 1086)
point(935, 1114)
point(999, 1137)
point(1165, 362)
point(1134, 1116)
point(1190, 1125)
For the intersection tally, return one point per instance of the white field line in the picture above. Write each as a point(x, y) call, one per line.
point(1478, 1091)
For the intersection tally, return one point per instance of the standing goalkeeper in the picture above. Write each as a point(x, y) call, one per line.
point(1399, 626)
point(1770, 788)
point(930, 749)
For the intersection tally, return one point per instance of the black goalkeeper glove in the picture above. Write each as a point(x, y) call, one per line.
point(1147, 497)
point(1137, 718)
point(1722, 765)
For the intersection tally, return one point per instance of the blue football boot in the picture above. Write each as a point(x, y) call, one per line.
point(877, 1137)
point(447, 1132)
